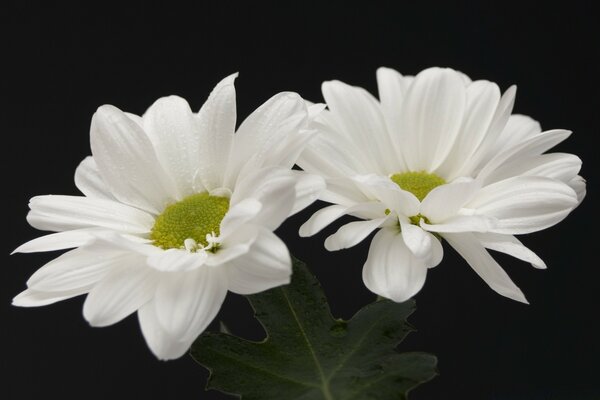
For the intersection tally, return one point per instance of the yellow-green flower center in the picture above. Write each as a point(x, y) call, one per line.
point(418, 183)
point(194, 217)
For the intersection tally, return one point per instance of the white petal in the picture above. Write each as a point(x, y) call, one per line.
point(481, 104)
point(462, 223)
point(391, 269)
point(60, 213)
point(418, 241)
point(76, 269)
point(274, 188)
point(239, 214)
point(127, 161)
point(34, 298)
point(327, 215)
point(314, 109)
point(187, 302)
point(510, 245)
point(58, 241)
point(266, 265)
point(89, 181)
point(525, 204)
point(308, 188)
point(487, 146)
point(392, 88)
point(431, 116)
point(176, 260)
point(286, 153)
point(359, 116)
point(163, 345)
point(562, 167)
point(532, 146)
point(216, 121)
point(171, 126)
point(579, 186)
point(484, 265)
point(234, 245)
point(321, 219)
point(444, 201)
point(282, 115)
point(120, 293)
point(517, 129)
point(386, 191)
point(343, 191)
point(352, 233)
point(331, 154)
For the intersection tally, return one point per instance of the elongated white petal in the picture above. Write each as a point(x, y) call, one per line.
point(352, 233)
point(533, 146)
point(484, 265)
point(330, 154)
point(176, 260)
point(171, 126)
point(359, 115)
point(487, 147)
point(127, 161)
point(481, 104)
point(60, 213)
point(321, 219)
point(274, 188)
point(308, 188)
point(35, 298)
point(418, 241)
point(444, 201)
point(58, 241)
point(559, 166)
point(239, 214)
point(120, 293)
point(343, 191)
point(216, 123)
point(391, 269)
point(234, 245)
point(266, 265)
point(187, 302)
point(386, 191)
point(89, 181)
point(579, 186)
point(286, 153)
point(518, 128)
point(462, 223)
point(327, 215)
point(525, 204)
point(510, 245)
point(163, 345)
point(431, 115)
point(282, 115)
point(76, 269)
point(392, 88)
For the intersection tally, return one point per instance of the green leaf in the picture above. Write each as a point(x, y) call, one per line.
point(310, 355)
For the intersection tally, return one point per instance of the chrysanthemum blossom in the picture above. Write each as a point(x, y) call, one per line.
point(437, 158)
point(177, 211)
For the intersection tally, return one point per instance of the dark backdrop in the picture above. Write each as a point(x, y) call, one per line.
point(64, 61)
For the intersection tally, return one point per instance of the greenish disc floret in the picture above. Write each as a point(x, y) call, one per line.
point(194, 217)
point(418, 183)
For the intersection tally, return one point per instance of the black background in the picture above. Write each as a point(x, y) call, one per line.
point(65, 61)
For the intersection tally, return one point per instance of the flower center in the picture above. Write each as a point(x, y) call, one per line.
point(418, 183)
point(194, 218)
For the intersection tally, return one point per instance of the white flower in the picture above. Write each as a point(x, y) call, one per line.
point(177, 211)
point(438, 157)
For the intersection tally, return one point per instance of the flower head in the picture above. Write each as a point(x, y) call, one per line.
point(177, 210)
point(438, 157)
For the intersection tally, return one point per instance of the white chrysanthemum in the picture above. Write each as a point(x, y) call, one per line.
point(177, 211)
point(438, 157)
